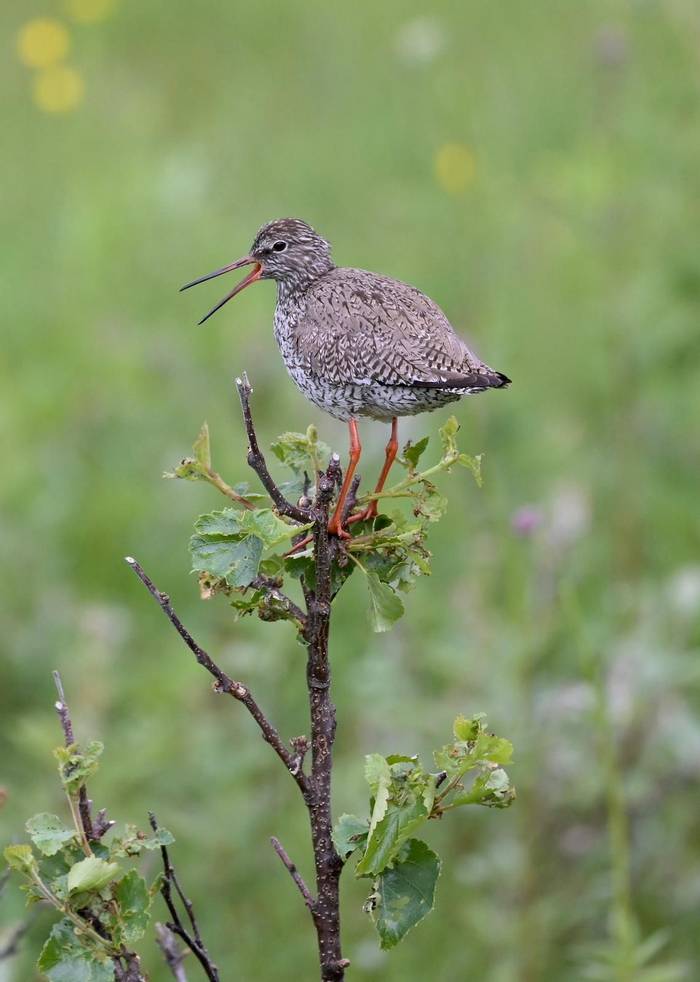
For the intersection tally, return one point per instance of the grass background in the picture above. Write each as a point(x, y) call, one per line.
point(536, 169)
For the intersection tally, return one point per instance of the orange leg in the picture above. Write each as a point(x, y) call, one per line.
point(335, 524)
point(392, 448)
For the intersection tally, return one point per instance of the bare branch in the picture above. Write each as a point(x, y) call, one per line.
point(67, 725)
point(257, 460)
point(173, 955)
point(293, 872)
point(193, 940)
point(223, 682)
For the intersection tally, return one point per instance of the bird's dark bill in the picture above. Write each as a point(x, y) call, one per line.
point(254, 275)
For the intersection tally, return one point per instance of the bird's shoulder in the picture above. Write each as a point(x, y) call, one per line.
point(367, 299)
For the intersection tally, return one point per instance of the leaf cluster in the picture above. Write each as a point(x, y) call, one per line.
point(404, 796)
point(233, 548)
point(103, 901)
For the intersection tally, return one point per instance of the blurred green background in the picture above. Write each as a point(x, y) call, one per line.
point(536, 169)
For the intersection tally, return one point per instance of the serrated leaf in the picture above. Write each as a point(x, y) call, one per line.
point(235, 560)
point(133, 841)
point(48, 833)
point(134, 905)
point(187, 470)
point(63, 959)
point(378, 776)
point(229, 543)
point(466, 729)
point(406, 893)
point(75, 766)
point(492, 789)
point(385, 606)
point(301, 451)
point(473, 464)
point(430, 503)
point(413, 452)
point(448, 437)
point(349, 834)
point(386, 839)
point(20, 858)
point(91, 873)
point(202, 447)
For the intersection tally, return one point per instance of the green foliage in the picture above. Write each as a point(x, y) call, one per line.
point(385, 605)
point(228, 546)
point(48, 833)
point(302, 452)
point(404, 893)
point(104, 907)
point(403, 798)
point(65, 958)
point(75, 766)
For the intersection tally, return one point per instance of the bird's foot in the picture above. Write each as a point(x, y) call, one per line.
point(366, 515)
point(335, 527)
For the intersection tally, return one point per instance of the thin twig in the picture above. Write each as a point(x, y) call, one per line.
point(269, 586)
point(223, 682)
point(173, 955)
point(193, 941)
point(293, 872)
point(257, 460)
point(67, 726)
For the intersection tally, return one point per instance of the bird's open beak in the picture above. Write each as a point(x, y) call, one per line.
point(254, 275)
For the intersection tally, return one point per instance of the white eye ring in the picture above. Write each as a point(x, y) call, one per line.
point(279, 246)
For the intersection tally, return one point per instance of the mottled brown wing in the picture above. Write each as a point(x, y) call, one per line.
point(365, 329)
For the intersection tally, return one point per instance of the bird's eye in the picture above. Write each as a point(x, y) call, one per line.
point(279, 246)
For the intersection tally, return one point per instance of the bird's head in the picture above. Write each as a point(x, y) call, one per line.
point(286, 250)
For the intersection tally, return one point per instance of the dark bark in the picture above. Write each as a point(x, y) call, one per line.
point(315, 786)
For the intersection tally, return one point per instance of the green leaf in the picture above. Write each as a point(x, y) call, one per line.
point(386, 839)
point(75, 766)
point(378, 776)
point(235, 560)
point(349, 834)
point(448, 438)
point(91, 874)
point(413, 452)
point(473, 464)
point(64, 959)
point(21, 858)
point(467, 729)
point(229, 543)
point(134, 901)
point(133, 841)
point(492, 789)
point(377, 773)
point(405, 893)
point(385, 607)
point(302, 451)
point(48, 833)
point(430, 504)
point(187, 470)
point(202, 447)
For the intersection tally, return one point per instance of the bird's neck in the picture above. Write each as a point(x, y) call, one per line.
point(301, 279)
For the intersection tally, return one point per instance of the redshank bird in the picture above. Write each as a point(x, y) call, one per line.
point(357, 343)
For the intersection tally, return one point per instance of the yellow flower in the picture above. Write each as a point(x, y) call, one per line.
point(42, 42)
point(59, 89)
point(455, 167)
point(89, 11)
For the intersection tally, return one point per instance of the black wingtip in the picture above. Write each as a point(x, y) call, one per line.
point(503, 381)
